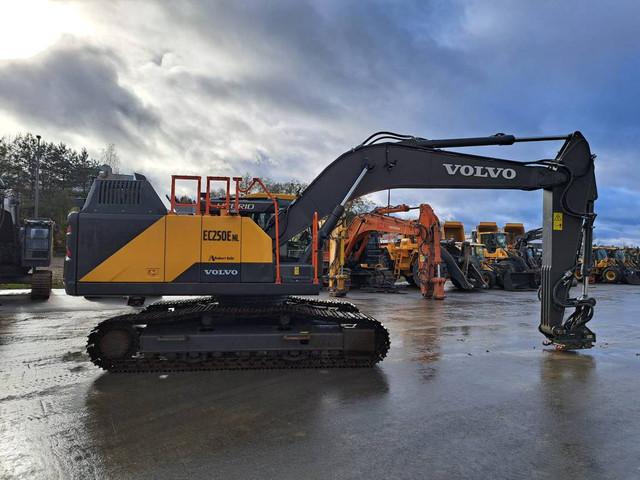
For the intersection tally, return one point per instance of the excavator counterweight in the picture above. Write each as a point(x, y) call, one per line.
point(250, 267)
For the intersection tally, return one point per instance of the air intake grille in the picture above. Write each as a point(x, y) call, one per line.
point(119, 192)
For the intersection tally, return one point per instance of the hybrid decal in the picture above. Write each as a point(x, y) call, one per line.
point(479, 171)
point(219, 236)
point(241, 206)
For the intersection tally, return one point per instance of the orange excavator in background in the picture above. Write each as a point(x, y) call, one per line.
point(357, 259)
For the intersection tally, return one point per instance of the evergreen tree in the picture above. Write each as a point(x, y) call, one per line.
point(65, 175)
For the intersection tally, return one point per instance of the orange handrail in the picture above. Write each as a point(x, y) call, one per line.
point(314, 248)
point(276, 211)
point(175, 203)
point(227, 203)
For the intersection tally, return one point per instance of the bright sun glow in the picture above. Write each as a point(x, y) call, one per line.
point(29, 26)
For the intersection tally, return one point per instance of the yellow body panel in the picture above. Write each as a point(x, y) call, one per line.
point(175, 243)
point(183, 243)
point(484, 227)
point(221, 239)
point(453, 230)
point(256, 245)
point(140, 260)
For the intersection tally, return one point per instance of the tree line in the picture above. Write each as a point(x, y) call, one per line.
point(65, 176)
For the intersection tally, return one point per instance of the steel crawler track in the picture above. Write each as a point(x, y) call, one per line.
point(206, 311)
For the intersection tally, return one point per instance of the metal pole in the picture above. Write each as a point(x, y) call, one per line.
point(36, 202)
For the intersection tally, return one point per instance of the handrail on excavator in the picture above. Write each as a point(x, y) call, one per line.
point(174, 201)
point(276, 211)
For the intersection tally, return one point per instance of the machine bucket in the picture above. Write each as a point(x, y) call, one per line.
point(520, 281)
point(456, 275)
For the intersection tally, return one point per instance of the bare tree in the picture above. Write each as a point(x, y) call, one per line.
point(109, 156)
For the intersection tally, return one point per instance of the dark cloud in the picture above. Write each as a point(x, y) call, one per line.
point(258, 92)
point(74, 85)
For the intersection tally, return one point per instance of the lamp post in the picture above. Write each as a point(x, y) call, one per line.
point(36, 201)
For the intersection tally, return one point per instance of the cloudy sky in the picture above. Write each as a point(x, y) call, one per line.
point(281, 88)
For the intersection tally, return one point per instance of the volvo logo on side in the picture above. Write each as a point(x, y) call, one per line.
point(221, 272)
point(479, 171)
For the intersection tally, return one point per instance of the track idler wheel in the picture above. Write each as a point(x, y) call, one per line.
point(112, 342)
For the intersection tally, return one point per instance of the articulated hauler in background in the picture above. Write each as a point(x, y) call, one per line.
point(125, 242)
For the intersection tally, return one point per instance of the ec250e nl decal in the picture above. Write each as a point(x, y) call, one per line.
point(219, 236)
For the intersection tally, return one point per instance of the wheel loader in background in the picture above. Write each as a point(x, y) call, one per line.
point(509, 267)
point(612, 265)
point(25, 247)
point(124, 241)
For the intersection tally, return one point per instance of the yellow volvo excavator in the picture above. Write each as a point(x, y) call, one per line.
point(124, 241)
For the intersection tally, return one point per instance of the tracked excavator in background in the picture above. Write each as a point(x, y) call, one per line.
point(124, 241)
point(357, 259)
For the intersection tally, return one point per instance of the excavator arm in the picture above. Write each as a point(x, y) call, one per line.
point(569, 187)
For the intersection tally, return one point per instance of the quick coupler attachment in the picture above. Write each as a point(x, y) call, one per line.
point(578, 339)
point(574, 334)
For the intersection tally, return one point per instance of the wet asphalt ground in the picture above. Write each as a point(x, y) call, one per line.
point(467, 391)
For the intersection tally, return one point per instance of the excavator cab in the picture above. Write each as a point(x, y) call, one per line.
point(493, 239)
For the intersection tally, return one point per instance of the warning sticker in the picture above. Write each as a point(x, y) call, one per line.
point(557, 220)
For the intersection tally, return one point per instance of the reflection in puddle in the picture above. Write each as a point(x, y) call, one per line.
point(208, 412)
